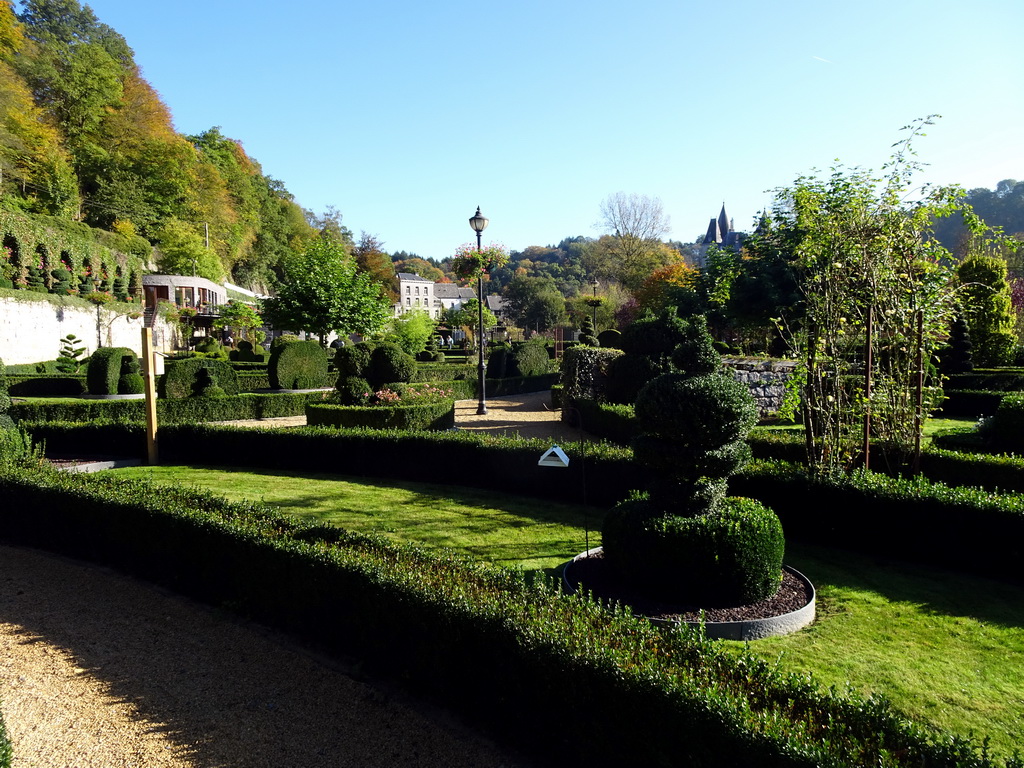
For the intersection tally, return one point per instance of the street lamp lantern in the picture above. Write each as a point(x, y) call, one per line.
point(479, 223)
point(595, 284)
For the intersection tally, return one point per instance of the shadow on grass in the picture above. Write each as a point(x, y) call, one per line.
point(934, 590)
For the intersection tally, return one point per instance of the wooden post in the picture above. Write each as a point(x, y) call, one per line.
point(149, 375)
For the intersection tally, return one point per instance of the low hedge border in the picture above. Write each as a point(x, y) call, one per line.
point(427, 416)
point(186, 410)
point(970, 404)
point(46, 385)
point(654, 697)
point(958, 528)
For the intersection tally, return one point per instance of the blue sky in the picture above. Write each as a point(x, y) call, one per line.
point(407, 115)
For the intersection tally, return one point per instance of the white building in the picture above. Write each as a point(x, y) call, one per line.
point(418, 293)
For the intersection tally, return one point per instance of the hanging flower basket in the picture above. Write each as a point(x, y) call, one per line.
point(469, 263)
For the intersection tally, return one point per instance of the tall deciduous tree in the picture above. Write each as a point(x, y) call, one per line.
point(636, 224)
point(371, 258)
point(323, 291)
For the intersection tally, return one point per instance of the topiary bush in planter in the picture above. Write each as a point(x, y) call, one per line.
point(298, 365)
point(684, 540)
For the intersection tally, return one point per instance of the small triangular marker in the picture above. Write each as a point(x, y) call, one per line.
point(554, 457)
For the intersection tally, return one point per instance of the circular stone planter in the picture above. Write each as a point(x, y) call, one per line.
point(750, 629)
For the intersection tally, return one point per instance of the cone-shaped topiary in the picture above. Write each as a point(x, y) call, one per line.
point(685, 539)
point(587, 336)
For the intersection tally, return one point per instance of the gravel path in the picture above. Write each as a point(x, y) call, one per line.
point(98, 670)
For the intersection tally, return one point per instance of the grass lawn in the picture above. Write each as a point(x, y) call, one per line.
point(943, 648)
point(502, 529)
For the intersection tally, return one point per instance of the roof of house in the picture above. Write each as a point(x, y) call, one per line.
point(411, 277)
point(453, 291)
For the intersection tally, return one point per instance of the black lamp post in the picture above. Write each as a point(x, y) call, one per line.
point(479, 224)
point(596, 283)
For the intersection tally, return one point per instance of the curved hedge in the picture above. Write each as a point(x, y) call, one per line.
point(429, 416)
point(299, 365)
point(654, 698)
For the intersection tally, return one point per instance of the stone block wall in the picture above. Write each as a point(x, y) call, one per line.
point(765, 378)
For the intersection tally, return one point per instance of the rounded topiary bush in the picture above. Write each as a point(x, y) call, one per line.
point(352, 360)
point(685, 540)
point(732, 556)
point(627, 374)
point(1006, 427)
point(298, 365)
point(389, 364)
point(194, 376)
point(130, 381)
point(610, 338)
point(696, 410)
point(352, 390)
point(103, 374)
point(531, 358)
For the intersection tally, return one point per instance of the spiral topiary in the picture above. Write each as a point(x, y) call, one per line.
point(684, 538)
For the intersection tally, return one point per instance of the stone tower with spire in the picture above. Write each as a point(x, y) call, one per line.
point(721, 232)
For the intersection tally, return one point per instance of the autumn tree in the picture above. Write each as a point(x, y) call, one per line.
point(371, 258)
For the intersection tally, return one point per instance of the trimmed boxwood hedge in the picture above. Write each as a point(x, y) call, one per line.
point(429, 416)
point(189, 410)
point(182, 378)
point(47, 385)
point(443, 372)
point(654, 698)
point(103, 373)
point(957, 528)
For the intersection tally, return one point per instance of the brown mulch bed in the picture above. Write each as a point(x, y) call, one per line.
point(594, 574)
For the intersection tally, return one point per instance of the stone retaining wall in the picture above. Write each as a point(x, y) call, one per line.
point(30, 331)
point(766, 379)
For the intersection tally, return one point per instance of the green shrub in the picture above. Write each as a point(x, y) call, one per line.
point(531, 358)
point(585, 372)
point(1006, 430)
point(684, 539)
point(444, 371)
point(103, 375)
point(212, 348)
point(299, 365)
point(192, 377)
point(352, 390)
point(389, 364)
point(610, 338)
point(428, 416)
point(245, 353)
point(284, 338)
point(26, 385)
point(731, 556)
